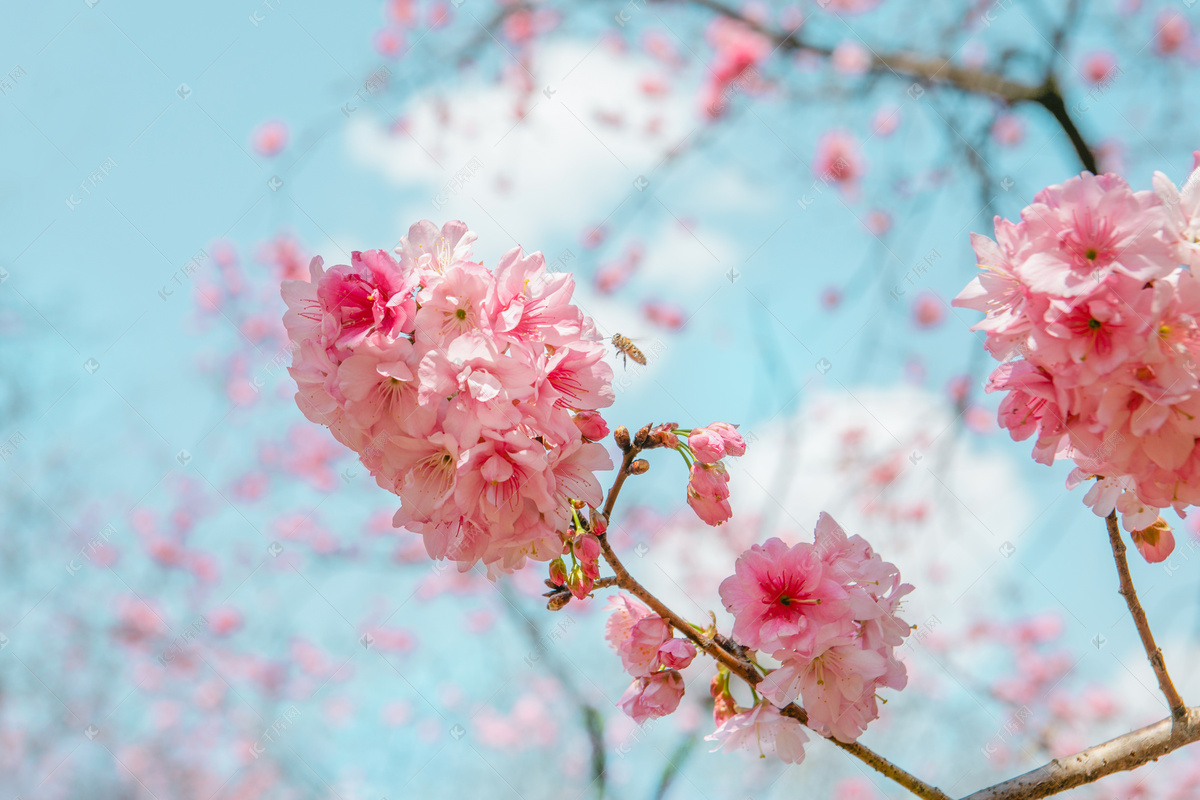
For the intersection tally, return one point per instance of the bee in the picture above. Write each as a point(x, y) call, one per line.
point(628, 350)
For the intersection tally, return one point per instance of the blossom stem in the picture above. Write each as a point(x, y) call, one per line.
point(736, 663)
point(1179, 710)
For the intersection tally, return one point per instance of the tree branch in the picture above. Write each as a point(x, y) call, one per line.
point(921, 69)
point(1153, 652)
point(1116, 755)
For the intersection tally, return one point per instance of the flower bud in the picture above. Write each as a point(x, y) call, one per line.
point(579, 583)
point(724, 705)
point(1156, 542)
point(599, 525)
point(642, 436)
point(735, 445)
point(708, 493)
point(587, 547)
point(558, 572)
point(621, 435)
point(591, 425)
point(664, 436)
point(707, 444)
point(676, 653)
point(639, 467)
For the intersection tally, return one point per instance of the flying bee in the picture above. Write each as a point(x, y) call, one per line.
point(628, 350)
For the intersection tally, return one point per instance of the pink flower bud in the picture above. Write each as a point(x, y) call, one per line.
point(591, 425)
point(587, 548)
point(1156, 542)
point(676, 653)
point(558, 571)
point(724, 707)
point(711, 510)
point(579, 583)
point(599, 523)
point(709, 480)
point(708, 445)
point(664, 435)
point(735, 445)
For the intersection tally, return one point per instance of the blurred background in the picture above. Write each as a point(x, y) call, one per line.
point(202, 595)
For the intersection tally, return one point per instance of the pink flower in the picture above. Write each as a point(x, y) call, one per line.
point(1136, 515)
point(1098, 66)
point(886, 120)
point(1172, 31)
point(829, 612)
point(732, 441)
point(708, 493)
point(1075, 235)
point(587, 550)
point(1008, 130)
point(850, 58)
point(838, 159)
point(676, 653)
point(389, 42)
point(782, 599)
point(591, 425)
point(370, 297)
point(707, 445)
point(653, 696)
point(739, 49)
point(1182, 207)
point(1088, 291)
point(430, 251)
point(636, 634)
point(928, 310)
point(459, 389)
point(837, 687)
point(764, 730)
point(1102, 497)
point(270, 138)
point(1155, 542)
point(671, 316)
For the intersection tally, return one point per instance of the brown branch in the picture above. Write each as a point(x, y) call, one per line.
point(1116, 755)
point(720, 648)
point(922, 69)
point(1153, 651)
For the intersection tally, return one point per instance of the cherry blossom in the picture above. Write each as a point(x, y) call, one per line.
point(1088, 307)
point(828, 611)
point(764, 730)
point(459, 388)
point(652, 696)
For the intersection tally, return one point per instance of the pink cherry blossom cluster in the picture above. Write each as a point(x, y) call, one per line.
point(827, 611)
point(1094, 310)
point(469, 393)
point(651, 653)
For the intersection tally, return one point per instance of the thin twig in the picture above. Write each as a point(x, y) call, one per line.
point(922, 69)
point(1153, 652)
